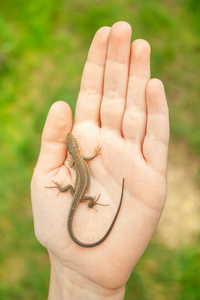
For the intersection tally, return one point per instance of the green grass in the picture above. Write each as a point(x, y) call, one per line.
point(44, 45)
point(164, 273)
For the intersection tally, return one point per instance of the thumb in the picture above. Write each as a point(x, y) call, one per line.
point(53, 147)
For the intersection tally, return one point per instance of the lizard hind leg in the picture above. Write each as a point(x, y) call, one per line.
point(92, 201)
point(60, 188)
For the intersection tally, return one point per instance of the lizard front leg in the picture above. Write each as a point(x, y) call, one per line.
point(96, 152)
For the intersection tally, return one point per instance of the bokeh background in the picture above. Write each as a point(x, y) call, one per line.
point(43, 47)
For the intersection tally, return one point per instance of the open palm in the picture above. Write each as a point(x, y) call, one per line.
point(125, 113)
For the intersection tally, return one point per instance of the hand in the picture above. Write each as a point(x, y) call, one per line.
point(123, 111)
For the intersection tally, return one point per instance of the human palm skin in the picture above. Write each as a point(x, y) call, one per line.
point(123, 111)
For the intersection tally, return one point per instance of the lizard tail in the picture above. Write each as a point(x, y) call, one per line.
point(81, 244)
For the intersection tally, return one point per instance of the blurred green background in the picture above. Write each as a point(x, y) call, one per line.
point(43, 47)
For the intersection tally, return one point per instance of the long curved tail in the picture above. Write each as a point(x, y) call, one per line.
point(74, 238)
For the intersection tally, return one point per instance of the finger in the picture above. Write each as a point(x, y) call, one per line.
point(134, 122)
point(156, 140)
point(53, 147)
point(88, 103)
point(116, 75)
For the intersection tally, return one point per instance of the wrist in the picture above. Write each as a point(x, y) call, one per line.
point(66, 283)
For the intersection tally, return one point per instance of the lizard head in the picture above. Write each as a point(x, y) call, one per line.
point(72, 145)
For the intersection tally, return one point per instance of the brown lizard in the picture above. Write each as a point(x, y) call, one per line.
point(82, 185)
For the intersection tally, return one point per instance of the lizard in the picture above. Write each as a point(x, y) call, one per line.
point(82, 184)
